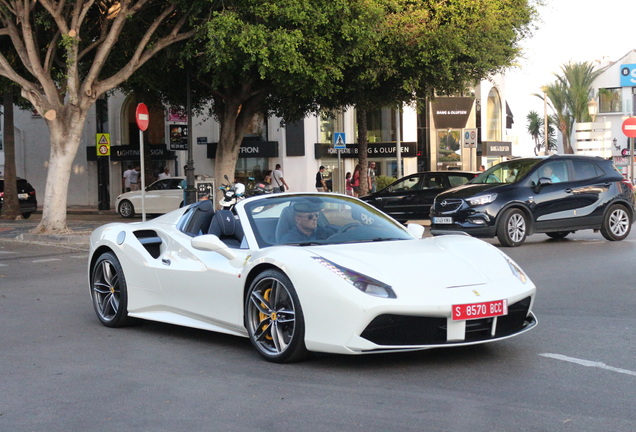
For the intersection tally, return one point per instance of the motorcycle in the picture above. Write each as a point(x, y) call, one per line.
point(235, 192)
point(232, 193)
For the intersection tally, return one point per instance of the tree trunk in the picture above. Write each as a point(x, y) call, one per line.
point(65, 131)
point(230, 139)
point(10, 204)
point(363, 145)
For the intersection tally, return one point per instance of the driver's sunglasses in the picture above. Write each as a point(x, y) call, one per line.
point(310, 216)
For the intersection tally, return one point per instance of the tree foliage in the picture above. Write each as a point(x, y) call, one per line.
point(66, 54)
point(569, 94)
point(423, 47)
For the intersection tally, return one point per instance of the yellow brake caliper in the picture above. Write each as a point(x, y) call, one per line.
point(262, 316)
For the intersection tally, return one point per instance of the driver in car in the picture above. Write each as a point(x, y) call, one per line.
point(306, 225)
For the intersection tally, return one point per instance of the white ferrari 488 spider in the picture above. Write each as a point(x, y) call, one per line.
point(297, 273)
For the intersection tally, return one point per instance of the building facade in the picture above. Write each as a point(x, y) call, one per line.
point(429, 140)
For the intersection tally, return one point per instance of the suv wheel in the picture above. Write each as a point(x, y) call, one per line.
point(513, 228)
point(617, 223)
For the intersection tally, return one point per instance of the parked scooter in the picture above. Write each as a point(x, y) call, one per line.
point(232, 193)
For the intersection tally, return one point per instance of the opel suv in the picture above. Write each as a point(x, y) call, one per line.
point(555, 195)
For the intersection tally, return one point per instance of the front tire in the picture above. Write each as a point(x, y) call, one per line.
point(26, 215)
point(109, 291)
point(274, 319)
point(617, 223)
point(513, 228)
point(126, 209)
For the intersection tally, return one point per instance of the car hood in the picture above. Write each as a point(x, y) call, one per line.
point(469, 190)
point(445, 261)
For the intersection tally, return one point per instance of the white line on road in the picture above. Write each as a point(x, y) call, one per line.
point(45, 260)
point(588, 363)
point(7, 252)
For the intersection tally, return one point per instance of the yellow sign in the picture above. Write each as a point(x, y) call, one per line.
point(103, 144)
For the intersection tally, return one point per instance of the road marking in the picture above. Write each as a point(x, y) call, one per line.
point(3, 265)
point(45, 260)
point(78, 256)
point(7, 252)
point(588, 363)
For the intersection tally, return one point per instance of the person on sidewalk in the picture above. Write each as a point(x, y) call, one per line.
point(371, 178)
point(280, 185)
point(134, 178)
point(126, 179)
point(321, 186)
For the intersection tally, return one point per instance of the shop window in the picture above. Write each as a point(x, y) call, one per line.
point(610, 100)
point(448, 149)
point(330, 123)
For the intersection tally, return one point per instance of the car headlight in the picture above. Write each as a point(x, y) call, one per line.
point(481, 199)
point(364, 283)
point(516, 270)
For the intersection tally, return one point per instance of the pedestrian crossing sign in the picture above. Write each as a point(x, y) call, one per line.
point(339, 141)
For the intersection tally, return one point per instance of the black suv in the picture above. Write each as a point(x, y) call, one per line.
point(555, 195)
point(26, 197)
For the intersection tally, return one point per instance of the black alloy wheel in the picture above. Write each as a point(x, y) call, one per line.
point(109, 292)
point(274, 319)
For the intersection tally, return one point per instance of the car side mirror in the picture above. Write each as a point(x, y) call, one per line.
point(416, 229)
point(543, 181)
point(211, 243)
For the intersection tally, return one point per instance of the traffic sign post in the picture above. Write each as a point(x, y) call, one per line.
point(143, 120)
point(629, 129)
point(470, 141)
point(102, 141)
point(339, 143)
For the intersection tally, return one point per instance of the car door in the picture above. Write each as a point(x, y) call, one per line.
point(552, 202)
point(429, 187)
point(163, 196)
point(401, 199)
point(200, 284)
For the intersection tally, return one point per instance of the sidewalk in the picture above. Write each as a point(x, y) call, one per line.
point(80, 220)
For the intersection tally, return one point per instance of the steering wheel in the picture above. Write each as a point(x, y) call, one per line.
point(347, 227)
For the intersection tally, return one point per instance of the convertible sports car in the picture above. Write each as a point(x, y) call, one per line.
point(308, 272)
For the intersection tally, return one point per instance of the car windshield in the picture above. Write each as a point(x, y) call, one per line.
point(319, 219)
point(510, 171)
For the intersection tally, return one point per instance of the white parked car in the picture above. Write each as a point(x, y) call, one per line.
point(304, 272)
point(161, 197)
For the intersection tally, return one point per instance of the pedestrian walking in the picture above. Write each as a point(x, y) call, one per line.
point(280, 185)
point(321, 186)
point(348, 187)
point(371, 178)
point(126, 178)
point(134, 178)
point(355, 180)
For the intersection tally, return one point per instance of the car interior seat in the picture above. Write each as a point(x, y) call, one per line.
point(285, 222)
point(225, 226)
point(200, 219)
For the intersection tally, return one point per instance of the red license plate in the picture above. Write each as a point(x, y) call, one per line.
point(480, 310)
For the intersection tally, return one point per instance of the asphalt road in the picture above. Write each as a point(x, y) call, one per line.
point(61, 370)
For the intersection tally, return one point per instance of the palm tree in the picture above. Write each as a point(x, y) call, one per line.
point(535, 129)
point(578, 78)
point(568, 96)
point(558, 96)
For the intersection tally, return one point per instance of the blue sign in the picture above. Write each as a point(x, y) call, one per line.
point(339, 141)
point(628, 75)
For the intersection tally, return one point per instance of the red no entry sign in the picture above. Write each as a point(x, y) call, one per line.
point(142, 117)
point(629, 127)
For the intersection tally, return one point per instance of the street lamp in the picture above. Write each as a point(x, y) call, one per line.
point(592, 109)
